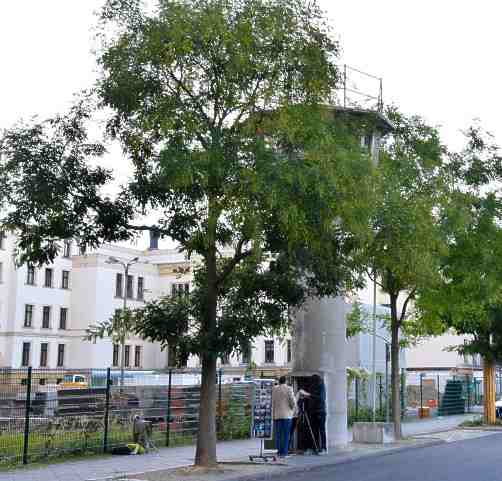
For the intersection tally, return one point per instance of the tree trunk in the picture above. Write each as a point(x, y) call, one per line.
point(395, 375)
point(205, 454)
point(489, 394)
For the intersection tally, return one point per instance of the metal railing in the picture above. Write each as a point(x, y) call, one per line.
point(359, 90)
point(45, 415)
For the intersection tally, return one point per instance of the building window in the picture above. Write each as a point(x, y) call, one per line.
point(289, 354)
point(65, 280)
point(180, 289)
point(119, 279)
point(63, 317)
point(269, 352)
point(60, 355)
point(367, 141)
point(25, 359)
point(82, 249)
point(2, 240)
point(46, 317)
point(127, 356)
point(30, 275)
point(246, 354)
point(1, 272)
point(28, 315)
point(115, 357)
point(44, 347)
point(137, 356)
point(67, 249)
point(48, 278)
point(141, 288)
point(129, 290)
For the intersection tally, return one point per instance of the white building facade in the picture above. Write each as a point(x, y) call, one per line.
point(45, 311)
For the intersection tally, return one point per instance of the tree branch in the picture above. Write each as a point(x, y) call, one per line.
point(149, 228)
point(373, 278)
point(238, 256)
point(405, 305)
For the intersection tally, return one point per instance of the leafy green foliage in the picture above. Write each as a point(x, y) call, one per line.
point(405, 251)
point(221, 107)
point(49, 190)
point(467, 297)
point(118, 328)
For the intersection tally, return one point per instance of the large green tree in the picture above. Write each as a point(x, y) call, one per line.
point(467, 297)
point(404, 253)
point(221, 107)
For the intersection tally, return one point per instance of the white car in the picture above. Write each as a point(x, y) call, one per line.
point(498, 408)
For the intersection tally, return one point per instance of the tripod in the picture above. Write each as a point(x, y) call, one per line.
point(304, 421)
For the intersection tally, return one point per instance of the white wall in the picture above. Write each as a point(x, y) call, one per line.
point(431, 353)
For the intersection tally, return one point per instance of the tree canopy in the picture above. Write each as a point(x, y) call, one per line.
point(221, 106)
point(467, 297)
point(404, 253)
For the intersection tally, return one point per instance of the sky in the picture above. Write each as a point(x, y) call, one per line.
point(439, 59)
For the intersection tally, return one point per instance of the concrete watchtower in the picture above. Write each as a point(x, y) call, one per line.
point(319, 337)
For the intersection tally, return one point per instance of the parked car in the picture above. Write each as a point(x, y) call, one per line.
point(74, 381)
point(498, 408)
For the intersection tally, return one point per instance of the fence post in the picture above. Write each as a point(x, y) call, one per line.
point(168, 415)
point(381, 393)
point(439, 396)
point(107, 409)
point(27, 417)
point(403, 379)
point(421, 390)
point(357, 398)
point(220, 414)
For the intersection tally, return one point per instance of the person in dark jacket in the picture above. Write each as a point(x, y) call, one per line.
point(318, 411)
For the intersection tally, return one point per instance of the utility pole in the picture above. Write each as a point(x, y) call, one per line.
point(373, 361)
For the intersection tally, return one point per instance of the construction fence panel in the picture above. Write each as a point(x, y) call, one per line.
point(47, 414)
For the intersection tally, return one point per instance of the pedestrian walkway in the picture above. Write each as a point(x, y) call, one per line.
point(435, 424)
point(166, 458)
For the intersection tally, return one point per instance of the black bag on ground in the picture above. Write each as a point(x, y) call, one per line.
point(121, 450)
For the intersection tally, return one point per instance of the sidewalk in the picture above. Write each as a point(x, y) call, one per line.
point(230, 451)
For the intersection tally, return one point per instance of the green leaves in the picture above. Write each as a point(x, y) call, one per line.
point(467, 297)
point(118, 328)
point(407, 246)
point(50, 192)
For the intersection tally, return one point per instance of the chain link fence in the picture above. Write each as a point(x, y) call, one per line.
point(47, 414)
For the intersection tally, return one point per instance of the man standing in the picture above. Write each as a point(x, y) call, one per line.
point(318, 410)
point(283, 406)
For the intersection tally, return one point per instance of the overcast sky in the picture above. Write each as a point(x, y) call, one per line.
point(439, 59)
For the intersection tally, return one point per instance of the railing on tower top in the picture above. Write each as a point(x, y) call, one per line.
point(358, 89)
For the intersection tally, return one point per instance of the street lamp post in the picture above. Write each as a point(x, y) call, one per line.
point(126, 265)
point(373, 361)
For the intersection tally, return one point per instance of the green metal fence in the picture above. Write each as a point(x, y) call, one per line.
point(45, 415)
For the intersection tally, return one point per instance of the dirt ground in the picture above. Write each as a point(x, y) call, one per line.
point(221, 472)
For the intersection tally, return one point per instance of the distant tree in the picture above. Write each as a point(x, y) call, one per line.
point(467, 297)
point(405, 251)
point(221, 106)
point(119, 328)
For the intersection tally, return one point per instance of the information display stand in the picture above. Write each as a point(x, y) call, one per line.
point(262, 423)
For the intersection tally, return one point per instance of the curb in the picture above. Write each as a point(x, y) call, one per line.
point(328, 463)
point(289, 470)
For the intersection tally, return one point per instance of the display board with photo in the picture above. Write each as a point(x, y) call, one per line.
point(262, 409)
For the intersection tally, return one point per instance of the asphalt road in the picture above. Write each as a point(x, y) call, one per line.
point(471, 460)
